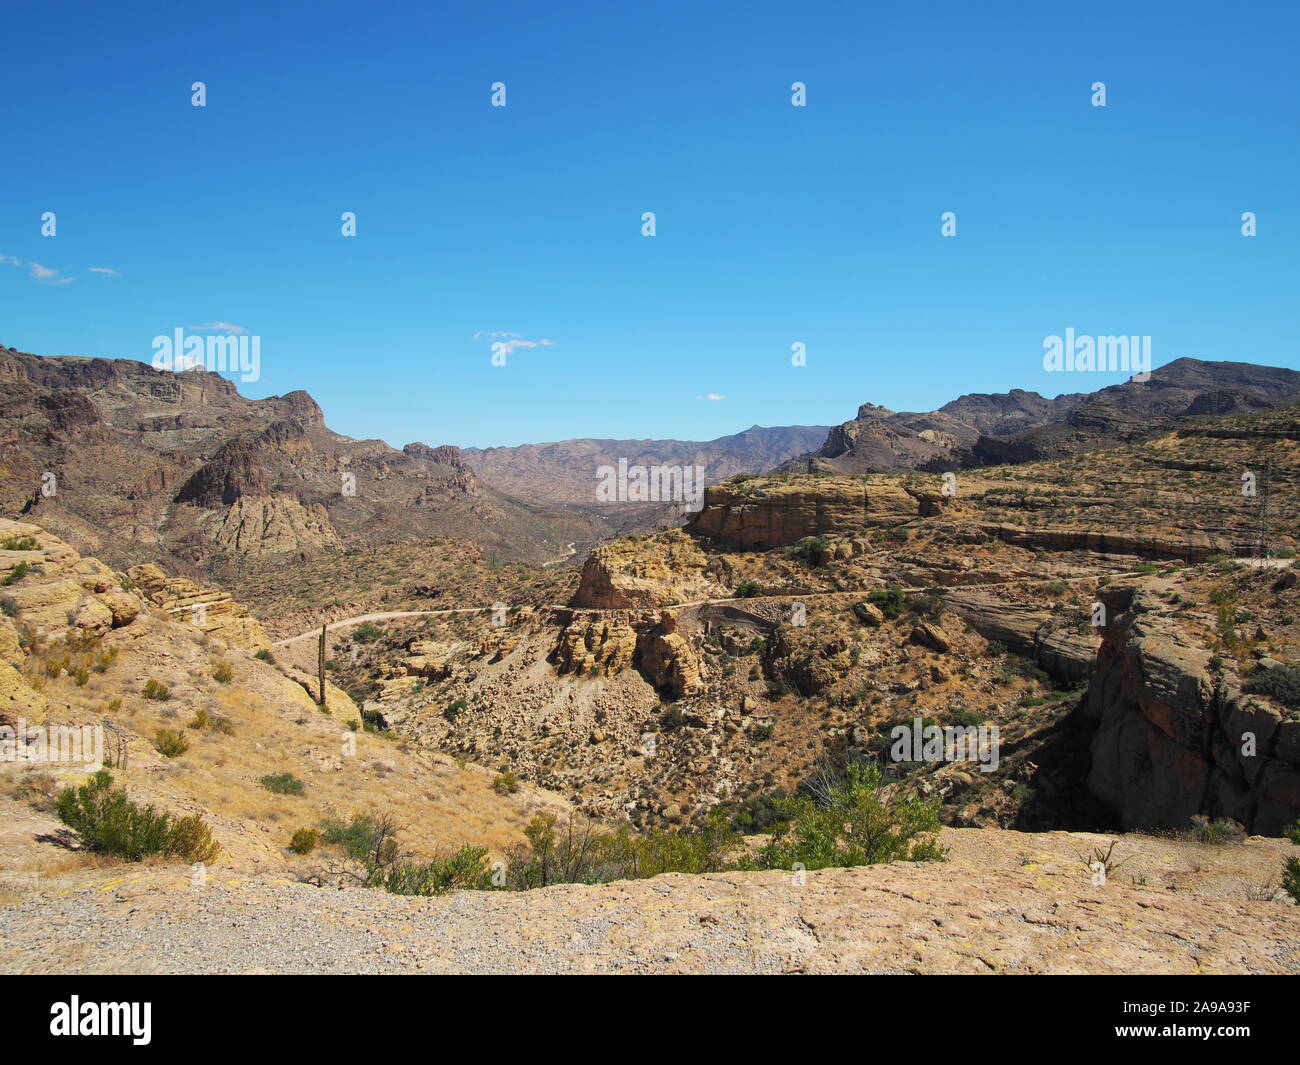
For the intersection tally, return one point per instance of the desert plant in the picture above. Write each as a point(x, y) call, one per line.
point(747, 590)
point(1291, 870)
point(170, 743)
point(855, 820)
point(282, 784)
point(224, 673)
point(1280, 682)
point(157, 691)
point(890, 601)
point(303, 841)
point(505, 783)
point(264, 655)
point(108, 821)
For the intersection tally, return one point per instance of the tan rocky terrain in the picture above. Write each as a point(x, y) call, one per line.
point(1125, 618)
point(81, 644)
point(657, 694)
point(1005, 903)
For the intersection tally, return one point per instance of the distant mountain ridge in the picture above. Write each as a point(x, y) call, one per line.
point(565, 471)
point(981, 429)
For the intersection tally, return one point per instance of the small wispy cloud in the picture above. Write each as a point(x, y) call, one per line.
point(712, 397)
point(509, 341)
point(218, 327)
point(38, 272)
point(47, 275)
point(104, 271)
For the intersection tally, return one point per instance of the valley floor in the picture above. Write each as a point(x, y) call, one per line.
point(1006, 902)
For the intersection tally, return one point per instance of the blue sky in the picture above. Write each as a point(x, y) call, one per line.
point(775, 224)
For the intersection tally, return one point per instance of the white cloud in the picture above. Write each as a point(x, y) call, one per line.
point(508, 342)
point(104, 271)
point(218, 327)
point(712, 397)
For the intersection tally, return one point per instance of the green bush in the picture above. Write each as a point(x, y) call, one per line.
point(367, 632)
point(224, 673)
point(19, 543)
point(283, 784)
point(170, 743)
point(264, 655)
point(454, 708)
point(747, 590)
point(855, 822)
point(1280, 682)
point(1291, 871)
point(760, 812)
point(466, 870)
point(890, 601)
point(109, 822)
point(303, 841)
point(505, 783)
point(16, 574)
point(810, 549)
point(156, 691)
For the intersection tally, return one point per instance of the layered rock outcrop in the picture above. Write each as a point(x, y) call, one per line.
point(775, 513)
point(210, 609)
point(1176, 737)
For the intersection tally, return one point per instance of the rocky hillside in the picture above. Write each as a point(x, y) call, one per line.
point(134, 464)
point(147, 654)
point(1018, 426)
point(803, 617)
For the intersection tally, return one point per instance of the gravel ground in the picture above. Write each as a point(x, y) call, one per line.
point(988, 910)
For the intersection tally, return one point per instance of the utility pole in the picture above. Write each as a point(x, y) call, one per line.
point(320, 667)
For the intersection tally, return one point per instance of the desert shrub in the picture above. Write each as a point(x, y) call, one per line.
point(466, 870)
point(282, 784)
point(170, 743)
point(367, 632)
point(1280, 682)
point(454, 708)
point(760, 812)
point(672, 718)
point(200, 719)
point(16, 574)
point(855, 821)
point(810, 549)
point(759, 733)
point(582, 853)
point(303, 841)
point(890, 601)
point(19, 543)
point(747, 590)
point(264, 655)
point(224, 673)
point(157, 691)
point(1291, 871)
point(109, 822)
point(505, 783)
point(362, 838)
point(9, 605)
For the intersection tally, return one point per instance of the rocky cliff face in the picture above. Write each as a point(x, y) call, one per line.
point(1177, 737)
point(776, 513)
